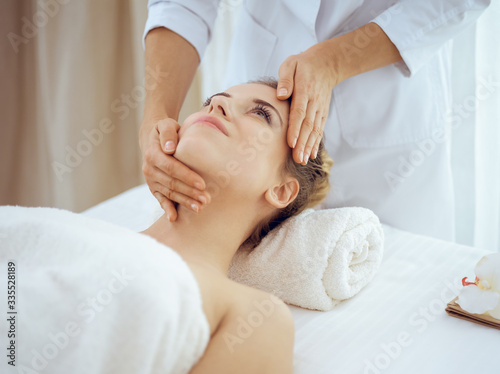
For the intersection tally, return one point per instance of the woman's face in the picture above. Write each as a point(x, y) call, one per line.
point(238, 140)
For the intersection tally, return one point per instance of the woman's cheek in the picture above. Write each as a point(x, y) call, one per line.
point(257, 142)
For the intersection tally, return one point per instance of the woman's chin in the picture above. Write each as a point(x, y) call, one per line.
point(200, 154)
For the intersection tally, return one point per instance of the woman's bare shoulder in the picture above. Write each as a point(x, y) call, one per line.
point(253, 311)
point(246, 297)
point(255, 334)
point(224, 300)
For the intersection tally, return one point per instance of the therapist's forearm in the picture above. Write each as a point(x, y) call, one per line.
point(364, 49)
point(171, 62)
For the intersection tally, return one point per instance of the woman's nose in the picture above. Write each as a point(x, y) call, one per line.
point(220, 106)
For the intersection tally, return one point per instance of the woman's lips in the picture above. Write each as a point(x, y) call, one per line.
point(213, 122)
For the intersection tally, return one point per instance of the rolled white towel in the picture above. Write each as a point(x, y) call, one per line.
point(315, 259)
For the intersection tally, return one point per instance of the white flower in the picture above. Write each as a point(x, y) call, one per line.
point(483, 295)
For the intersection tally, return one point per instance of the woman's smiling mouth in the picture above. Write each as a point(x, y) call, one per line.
point(213, 122)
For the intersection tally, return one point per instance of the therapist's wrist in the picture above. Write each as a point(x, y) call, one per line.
point(326, 51)
point(362, 50)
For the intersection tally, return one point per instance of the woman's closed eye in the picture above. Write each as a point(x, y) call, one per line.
point(259, 109)
point(262, 111)
point(207, 102)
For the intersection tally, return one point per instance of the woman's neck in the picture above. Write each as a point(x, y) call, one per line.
point(210, 237)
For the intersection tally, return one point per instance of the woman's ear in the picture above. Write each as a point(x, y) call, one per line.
point(280, 195)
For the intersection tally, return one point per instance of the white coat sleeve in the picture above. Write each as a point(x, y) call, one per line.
point(419, 28)
point(192, 19)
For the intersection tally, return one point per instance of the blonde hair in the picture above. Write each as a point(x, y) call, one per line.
point(313, 179)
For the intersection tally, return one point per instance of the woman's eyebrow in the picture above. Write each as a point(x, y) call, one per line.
point(262, 102)
point(218, 94)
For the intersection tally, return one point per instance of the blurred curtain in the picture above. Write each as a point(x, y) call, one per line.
point(71, 78)
point(71, 100)
point(475, 130)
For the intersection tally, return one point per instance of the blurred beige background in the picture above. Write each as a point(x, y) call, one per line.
point(71, 100)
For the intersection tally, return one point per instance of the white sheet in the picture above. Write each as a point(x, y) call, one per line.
point(405, 301)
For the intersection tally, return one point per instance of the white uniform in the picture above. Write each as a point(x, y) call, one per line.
point(388, 129)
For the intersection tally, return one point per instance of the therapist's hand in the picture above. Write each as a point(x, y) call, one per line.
point(310, 76)
point(169, 180)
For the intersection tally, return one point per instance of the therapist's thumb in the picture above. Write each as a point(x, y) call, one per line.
point(285, 82)
point(168, 129)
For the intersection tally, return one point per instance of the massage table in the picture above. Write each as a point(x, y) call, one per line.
point(396, 324)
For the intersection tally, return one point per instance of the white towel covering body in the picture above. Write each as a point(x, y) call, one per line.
point(92, 297)
point(315, 259)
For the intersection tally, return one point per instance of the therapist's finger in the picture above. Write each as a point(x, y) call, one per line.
point(172, 174)
point(286, 78)
point(173, 168)
point(316, 133)
point(167, 205)
point(297, 114)
point(167, 129)
point(182, 188)
point(307, 127)
point(156, 177)
point(315, 149)
point(184, 200)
